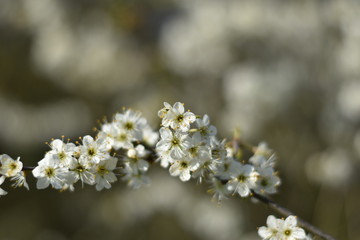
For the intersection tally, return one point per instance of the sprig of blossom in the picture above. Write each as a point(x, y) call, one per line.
point(188, 146)
point(192, 150)
point(280, 229)
point(90, 161)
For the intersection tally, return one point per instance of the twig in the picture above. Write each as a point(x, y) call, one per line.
point(285, 212)
point(26, 168)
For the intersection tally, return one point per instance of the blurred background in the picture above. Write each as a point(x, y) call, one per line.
point(285, 72)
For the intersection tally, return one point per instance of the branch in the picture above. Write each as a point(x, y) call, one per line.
point(26, 168)
point(285, 212)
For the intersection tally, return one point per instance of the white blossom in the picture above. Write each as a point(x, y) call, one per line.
point(94, 150)
point(10, 167)
point(204, 127)
point(267, 181)
point(278, 229)
point(177, 118)
point(81, 169)
point(183, 169)
point(119, 137)
point(20, 180)
point(63, 152)
point(243, 178)
point(176, 143)
point(132, 122)
point(49, 171)
point(104, 174)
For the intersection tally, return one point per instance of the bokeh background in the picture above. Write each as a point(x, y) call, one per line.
point(285, 72)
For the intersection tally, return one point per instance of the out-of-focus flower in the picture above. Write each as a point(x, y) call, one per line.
point(349, 99)
point(332, 167)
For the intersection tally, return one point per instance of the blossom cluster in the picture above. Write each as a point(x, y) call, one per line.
point(132, 137)
point(188, 144)
point(280, 229)
point(91, 161)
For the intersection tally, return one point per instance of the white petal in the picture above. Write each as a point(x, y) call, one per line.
point(99, 186)
point(2, 179)
point(163, 146)
point(57, 145)
point(243, 190)
point(190, 117)
point(177, 153)
point(271, 221)
point(165, 133)
point(87, 140)
point(231, 186)
point(206, 120)
point(178, 108)
point(174, 170)
point(2, 192)
point(167, 105)
point(212, 130)
point(110, 177)
point(110, 163)
point(264, 232)
point(290, 221)
point(185, 175)
point(143, 165)
point(37, 172)
point(42, 183)
point(298, 233)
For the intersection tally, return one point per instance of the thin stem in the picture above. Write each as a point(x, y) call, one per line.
point(27, 168)
point(285, 212)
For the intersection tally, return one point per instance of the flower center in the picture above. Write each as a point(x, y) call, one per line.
point(193, 150)
point(13, 166)
point(287, 232)
point(80, 169)
point(91, 151)
point(102, 170)
point(241, 178)
point(264, 182)
point(49, 172)
point(175, 141)
point(129, 126)
point(61, 156)
point(184, 164)
point(180, 118)
point(122, 137)
point(203, 131)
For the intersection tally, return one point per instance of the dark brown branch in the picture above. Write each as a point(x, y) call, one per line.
point(285, 212)
point(26, 168)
